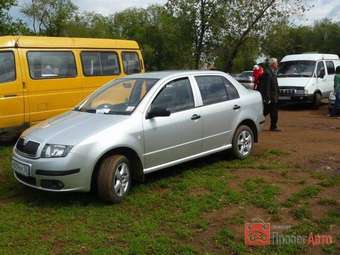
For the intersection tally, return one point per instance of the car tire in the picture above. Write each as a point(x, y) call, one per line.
point(243, 142)
point(316, 101)
point(114, 178)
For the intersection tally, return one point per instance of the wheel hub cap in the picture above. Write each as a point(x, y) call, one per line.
point(245, 143)
point(121, 179)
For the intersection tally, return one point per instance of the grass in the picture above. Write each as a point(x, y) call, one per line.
point(165, 215)
point(306, 193)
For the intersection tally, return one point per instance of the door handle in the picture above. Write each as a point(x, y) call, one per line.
point(237, 107)
point(11, 95)
point(195, 117)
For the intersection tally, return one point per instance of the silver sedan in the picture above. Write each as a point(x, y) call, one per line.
point(137, 125)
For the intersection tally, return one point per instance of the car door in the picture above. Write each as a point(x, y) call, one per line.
point(11, 91)
point(322, 82)
point(330, 76)
point(220, 110)
point(177, 136)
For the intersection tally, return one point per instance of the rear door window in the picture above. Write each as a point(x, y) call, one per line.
point(100, 63)
point(212, 88)
point(330, 67)
point(51, 65)
point(131, 62)
point(7, 67)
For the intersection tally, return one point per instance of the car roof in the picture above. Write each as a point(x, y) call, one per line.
point(168, 74)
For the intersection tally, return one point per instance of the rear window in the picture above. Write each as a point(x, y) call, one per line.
point(100, 63)
point(7, 67)
point(330, 67)
point(131, 62)
point(51, 65)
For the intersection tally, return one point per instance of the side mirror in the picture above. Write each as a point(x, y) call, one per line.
point(321, 73)
point(157, 112)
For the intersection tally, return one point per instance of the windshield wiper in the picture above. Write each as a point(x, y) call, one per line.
point(84, 110)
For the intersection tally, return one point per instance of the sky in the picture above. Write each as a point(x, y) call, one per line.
point(321, 8)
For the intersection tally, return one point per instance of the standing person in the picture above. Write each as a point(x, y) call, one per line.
point(269, 89)
point(336, 92)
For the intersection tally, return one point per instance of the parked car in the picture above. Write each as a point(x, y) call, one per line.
point(41, 77)
point(164, 118)
point(331, 102)
point(307, 78)
point(246, 79)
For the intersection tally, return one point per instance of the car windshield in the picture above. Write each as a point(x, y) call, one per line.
point(301, 68)
point(120, 97)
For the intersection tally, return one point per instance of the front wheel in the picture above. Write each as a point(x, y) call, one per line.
point(243, 142)
point(316, 101)
point(114, 179)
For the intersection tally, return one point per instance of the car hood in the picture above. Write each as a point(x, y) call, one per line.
point(71, 128)
point(293, 81)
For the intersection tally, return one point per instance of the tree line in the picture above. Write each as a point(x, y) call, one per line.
point(186, 34)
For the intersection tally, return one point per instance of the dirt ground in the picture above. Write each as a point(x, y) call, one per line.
point(311, 144)
point(311, 138)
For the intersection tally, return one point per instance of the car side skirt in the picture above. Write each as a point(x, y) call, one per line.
point(182, 160)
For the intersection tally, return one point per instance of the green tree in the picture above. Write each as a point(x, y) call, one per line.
point(246, 19)
point(7, 24)
point(50, 17)
point(201, 14)
point(284, 39)
point(90, 24)
point(166, 40)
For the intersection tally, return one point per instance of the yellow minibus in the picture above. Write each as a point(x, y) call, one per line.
point(43, 76)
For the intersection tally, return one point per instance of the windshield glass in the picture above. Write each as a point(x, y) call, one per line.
point(301, 68)
point(120, 97)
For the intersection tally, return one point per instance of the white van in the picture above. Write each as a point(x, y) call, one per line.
point(307, 77)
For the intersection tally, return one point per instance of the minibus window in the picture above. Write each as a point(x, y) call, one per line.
point(51, 65)
point(100, 63)
point(131, 62)
point(330, 67)
point(7, 67)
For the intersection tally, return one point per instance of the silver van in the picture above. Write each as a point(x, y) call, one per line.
point(137, 125)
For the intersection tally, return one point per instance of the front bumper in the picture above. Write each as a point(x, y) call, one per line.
point(56, 174)
point(296, 98)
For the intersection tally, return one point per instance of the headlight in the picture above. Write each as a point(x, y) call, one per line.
point(55, 151)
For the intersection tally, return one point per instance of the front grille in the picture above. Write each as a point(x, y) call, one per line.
point(25, 179)
point(287, 92)
point(29, 148)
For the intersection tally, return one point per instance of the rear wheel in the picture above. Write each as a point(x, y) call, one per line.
point(114, 178)
point(243, 142)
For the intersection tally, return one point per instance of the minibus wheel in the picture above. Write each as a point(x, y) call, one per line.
point(114, 178)
point(316, 100)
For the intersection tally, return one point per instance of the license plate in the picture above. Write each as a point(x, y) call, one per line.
point(285, 98)
point(21, 168)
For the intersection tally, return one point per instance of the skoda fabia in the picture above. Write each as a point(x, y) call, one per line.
point(137, 125)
